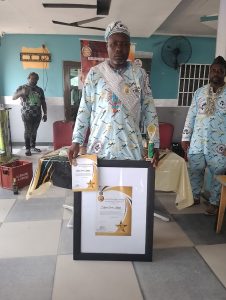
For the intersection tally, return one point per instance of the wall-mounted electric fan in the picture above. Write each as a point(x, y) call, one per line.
point(175, 51)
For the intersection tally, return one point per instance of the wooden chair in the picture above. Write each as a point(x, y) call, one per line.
point(222, 206)
point(62, 133)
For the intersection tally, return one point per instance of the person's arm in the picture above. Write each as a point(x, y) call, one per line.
point(149, 115)
point(21, 92)
point(82, 120)
point(73, 152)
point(43, 105)
point(189, 124)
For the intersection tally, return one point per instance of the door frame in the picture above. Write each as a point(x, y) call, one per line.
point(67, 66)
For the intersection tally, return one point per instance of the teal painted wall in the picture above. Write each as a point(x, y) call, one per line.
point(164, 80)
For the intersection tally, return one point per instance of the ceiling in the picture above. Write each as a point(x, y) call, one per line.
point(143, 17)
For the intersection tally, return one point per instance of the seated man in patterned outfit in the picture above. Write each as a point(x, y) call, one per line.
point(116, 103)
point(204, 134)
point(33, 103)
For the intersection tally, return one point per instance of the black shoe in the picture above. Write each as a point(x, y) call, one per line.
point(211, 210)
point(35, 149)
point(28, 152)
point(196, 201)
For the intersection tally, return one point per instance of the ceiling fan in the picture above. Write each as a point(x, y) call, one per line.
point(102, 8)
point(79, 23)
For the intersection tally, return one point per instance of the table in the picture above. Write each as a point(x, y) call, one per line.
point(222, 206)
point(171, 176)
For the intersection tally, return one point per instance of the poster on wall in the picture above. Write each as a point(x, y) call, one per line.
point(144, 60)
point(93, 53)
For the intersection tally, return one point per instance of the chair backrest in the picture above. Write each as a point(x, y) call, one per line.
point(166, 135)
point(62, 133)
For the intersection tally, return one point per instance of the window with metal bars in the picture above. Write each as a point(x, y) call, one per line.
point(192, 76)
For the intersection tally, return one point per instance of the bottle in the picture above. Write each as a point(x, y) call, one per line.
point(15, 187)
point(151, 130)
point(150, 149)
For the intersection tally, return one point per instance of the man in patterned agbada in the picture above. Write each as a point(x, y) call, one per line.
point(204, 135)
point(116, 104)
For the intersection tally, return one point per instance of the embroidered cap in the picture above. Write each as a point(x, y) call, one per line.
point(116, 27)
point(219, 60)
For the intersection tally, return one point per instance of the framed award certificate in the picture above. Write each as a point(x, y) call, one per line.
point(115, 222)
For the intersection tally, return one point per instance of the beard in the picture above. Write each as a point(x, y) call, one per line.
point(217, 80)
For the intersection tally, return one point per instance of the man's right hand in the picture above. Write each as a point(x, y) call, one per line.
point(25, 91)
point(185, 145)
point(73, 151)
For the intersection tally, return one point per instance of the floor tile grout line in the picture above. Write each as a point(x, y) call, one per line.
point(5, 220)
point(215, 275)
point(138, 281)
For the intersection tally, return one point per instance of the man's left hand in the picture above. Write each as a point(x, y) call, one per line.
point(155, 159)
point(44, 118)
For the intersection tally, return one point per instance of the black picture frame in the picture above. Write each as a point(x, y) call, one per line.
point(146, 183)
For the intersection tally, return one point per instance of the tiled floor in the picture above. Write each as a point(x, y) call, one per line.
point(36, 254)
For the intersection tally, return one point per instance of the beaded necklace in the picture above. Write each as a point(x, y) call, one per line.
point(212, 98)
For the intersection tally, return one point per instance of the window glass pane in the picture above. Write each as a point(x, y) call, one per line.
point(181, 85)
point(192, 72)
point(202, 73)
point(207, 71)
point(186, 85)
point(182, 71)
point(191, 85)
point(180, 99)
point(197, 70)
point(187, 71)
point(190, 99)
point(195, 76)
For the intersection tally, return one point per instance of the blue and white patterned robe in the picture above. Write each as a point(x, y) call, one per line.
point(207, 136)
point(114, 136)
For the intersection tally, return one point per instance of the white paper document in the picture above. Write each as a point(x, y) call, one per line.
point(114, 210)
point(84, 173)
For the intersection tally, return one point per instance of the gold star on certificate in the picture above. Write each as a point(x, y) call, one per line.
point(90, 184)
point(121, 226)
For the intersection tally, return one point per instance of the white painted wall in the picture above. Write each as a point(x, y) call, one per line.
point(221, 37)
point(55, 112)
point(167, 110)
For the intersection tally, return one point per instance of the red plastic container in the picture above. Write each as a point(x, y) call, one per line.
point(21, 170)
